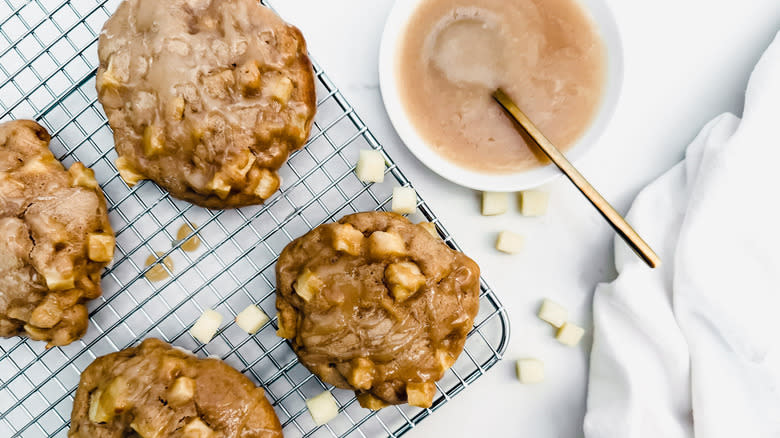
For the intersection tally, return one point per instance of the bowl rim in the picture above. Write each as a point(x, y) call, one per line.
point(397, 20)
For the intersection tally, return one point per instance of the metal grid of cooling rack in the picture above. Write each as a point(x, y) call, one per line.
point(48, 57)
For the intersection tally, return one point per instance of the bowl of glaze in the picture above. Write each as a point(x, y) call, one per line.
point(390, 54)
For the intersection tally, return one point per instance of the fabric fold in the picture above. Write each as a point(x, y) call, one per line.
point(691, 349)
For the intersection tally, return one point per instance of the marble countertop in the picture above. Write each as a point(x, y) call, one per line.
point(685, 62)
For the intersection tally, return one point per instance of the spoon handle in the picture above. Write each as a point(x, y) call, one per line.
point(607, 211)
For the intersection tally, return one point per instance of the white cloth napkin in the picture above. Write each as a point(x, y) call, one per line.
point(693, 349)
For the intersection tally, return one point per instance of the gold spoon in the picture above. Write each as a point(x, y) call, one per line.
point(610, 214)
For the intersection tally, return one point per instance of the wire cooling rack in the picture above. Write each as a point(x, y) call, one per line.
point(48, 58)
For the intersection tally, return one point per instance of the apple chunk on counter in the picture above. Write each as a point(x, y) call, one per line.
point(530, 370)
point(494, 203)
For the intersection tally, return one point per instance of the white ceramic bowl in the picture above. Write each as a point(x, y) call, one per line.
point(388, 71)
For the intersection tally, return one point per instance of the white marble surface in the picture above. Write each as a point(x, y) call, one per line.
point(686, 61)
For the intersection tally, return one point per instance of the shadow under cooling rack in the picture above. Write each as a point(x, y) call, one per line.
point(48, 57)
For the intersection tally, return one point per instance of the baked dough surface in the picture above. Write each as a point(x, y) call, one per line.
point(55, 238)
point(206, 97)
point(375, 303)
point(156, 390)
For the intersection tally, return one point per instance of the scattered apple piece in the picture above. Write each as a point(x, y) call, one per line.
point(322, 408)
point(530, 370)
point(570, 334)
point(251, 319)
point(509, 242)
point(371, 166)
point(534, 203)
point(553, 313)
point(404, 200)
point(494, 203)
point(206, 326)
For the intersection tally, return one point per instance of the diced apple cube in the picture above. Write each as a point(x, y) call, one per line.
point(80, 176)
point(39, 164)
point(106, 403)
point(404, 279)
point(170, 367)
point(196, 428)
point(384, 244)
point(109, 79)
point(267, 184)
point(154, 140)
point(56, 280)
point(128, 174)
point(322, 408)
point(553, 313)
point(494, 203)
point(509, 242)
point(369, 401)
point(100, 247)
point(570, 334)
point(251, 319)
point(420, 394)
point(249, 76)
point(371, 166)
point(206, 326)
point(281, 89)
point(219, 185)
point(530, 370)
point(96, 413)
point(181, 391)
point(534, 203)
point(145, 428)
point(308, 285)
point(347, 238)
point(404, 200)
point(445, 359)
point(241, 164)
point(361, 376)
point(176, 108)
